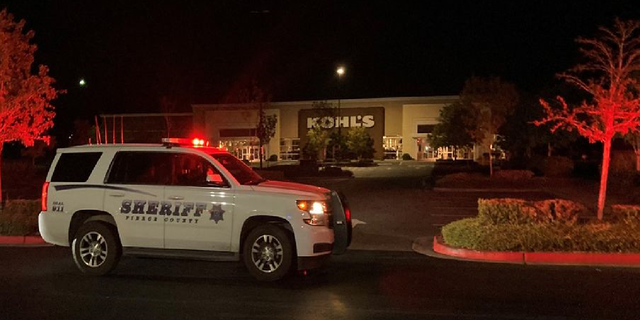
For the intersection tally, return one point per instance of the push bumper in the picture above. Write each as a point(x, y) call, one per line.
point(308, 263)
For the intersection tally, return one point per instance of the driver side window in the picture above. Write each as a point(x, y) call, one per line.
point(195, 171)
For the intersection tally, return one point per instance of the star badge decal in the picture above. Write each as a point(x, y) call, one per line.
point(216, 213)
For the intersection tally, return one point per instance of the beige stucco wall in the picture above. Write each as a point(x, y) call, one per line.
point(412, 116)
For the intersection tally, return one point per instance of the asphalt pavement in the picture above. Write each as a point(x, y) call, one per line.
point(379, 277)
point(393, 206)
point(43, 283)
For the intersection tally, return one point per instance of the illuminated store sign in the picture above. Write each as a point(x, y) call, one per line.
point(366, 121)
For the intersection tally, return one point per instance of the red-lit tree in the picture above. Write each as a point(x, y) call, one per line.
point(614, 104)
point(25, 109)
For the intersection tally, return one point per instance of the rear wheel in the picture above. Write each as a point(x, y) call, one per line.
point(268, 253)
point(95, 247)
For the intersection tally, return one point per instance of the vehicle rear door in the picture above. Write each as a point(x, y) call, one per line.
point(134, 193)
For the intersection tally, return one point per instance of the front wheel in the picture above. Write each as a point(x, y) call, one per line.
point(95, 248)
point(268, 253)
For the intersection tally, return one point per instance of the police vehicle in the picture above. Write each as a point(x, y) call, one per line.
point(186, 201)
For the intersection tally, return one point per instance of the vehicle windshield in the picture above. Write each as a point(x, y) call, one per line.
point(243, 173)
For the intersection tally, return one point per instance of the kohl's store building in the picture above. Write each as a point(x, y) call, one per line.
point(397, 126)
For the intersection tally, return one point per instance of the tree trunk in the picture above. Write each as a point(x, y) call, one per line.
point(261, 154)
point(490, 162)
point(638, 160)
point(602, 195)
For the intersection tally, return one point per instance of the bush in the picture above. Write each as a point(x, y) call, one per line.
point(518, 211)
point(273, 157)
point(548, 225)
point(623, 162)
point(504, 211)
point(557, 167)
point(592, 237)
point(513, 174)
point(560, 210)
point(472, 234)
point(624, 212)
point(406, 156)
point(19, 217)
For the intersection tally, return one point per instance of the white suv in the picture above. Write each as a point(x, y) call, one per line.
point(181, 201)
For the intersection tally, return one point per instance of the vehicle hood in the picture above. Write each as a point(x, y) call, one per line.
point(290, 187)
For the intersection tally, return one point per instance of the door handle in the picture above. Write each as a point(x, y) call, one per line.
point(176, 198)
point(117, 195)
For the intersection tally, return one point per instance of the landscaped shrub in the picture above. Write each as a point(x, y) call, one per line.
point(621, 212)
point(273, 157)
point(513, 174)
point(473, 234)
point(505, 211)
point(592, 237)
point(19, 217)
point(406, 156)
point(547, 225)
point(560, 210)
point(623, 162)
point(558, 167)
point(519, 211)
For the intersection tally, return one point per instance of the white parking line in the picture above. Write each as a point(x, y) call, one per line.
point(356, 222)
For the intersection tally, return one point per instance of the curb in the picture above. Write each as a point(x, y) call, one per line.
point(22, 240)
point(439, 189)
point(502, 256)
point(543, 258)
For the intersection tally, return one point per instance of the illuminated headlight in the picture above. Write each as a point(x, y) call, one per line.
point(314, 212)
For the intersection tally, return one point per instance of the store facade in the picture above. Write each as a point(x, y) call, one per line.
point(397, 125)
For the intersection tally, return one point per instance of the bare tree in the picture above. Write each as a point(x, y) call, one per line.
point(614, 104)
point(489, 101)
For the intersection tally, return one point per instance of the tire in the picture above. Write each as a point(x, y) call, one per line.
point(268, 253)
point(96, 249)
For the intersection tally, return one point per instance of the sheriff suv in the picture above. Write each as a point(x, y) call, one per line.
point(184, 201)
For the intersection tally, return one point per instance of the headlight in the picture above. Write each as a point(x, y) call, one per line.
point(314, 212)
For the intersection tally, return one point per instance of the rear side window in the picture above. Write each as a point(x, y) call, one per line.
point(136, 167)
point(75, 167)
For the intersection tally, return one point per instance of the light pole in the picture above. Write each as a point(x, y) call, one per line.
point(340, 72)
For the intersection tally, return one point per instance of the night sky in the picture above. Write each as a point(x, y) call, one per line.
point(132, 53)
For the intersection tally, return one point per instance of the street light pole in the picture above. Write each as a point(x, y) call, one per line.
point(340, 71)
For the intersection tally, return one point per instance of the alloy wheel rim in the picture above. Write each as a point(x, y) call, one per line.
point(267, 253)
point(93, 249)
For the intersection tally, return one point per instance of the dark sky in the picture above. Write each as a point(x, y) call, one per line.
point(132, 53)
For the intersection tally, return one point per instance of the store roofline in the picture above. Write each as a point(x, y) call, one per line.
point(408, 100)
point(133, 115)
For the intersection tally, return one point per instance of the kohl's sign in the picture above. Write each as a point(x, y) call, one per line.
point(366, 121)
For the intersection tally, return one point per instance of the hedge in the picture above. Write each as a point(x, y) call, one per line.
point(518, 211)
point(19, 217)
point(549, 225)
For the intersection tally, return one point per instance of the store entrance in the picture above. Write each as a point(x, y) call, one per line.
point(244, 148)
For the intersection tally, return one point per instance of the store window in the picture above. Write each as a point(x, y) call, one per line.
point(392, 147)
point(289, 148)
point(425, 128)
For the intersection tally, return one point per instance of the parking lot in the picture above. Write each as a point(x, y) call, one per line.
point(392, 207)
